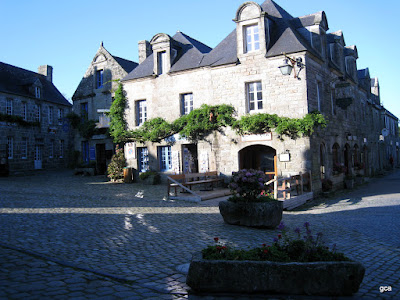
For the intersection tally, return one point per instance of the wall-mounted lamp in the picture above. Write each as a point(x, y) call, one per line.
point(289, 64)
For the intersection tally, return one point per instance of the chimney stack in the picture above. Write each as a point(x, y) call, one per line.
point(144, 50)
point(47, 71)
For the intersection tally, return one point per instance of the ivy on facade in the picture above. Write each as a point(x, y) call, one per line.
point(199, 123)
point(17, 120)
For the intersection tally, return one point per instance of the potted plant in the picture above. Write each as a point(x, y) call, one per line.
point(250, 204)
point(150, 177)
point(295, 263)
point(349, 181)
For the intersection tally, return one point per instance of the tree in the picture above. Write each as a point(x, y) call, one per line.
point(117, 119)
point(115, 169)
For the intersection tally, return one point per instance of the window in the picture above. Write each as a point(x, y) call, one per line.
point(37, 92)
point(37, 115)
point(161, 62)
point(10, 147)
point(186, 103)
point(254, 96)
point(84, 111)
point(24, 148)
point(24, 111)
point(61, 148)
point(141, 112)
point(333, 101)
point(51, 149)
point(9, 106)
point(60, 116)
point(143, 154)
point(51, 114)
point(164, 154)
point(319, 95)
point(99, 79)
point(252, 38)
point(85, 151)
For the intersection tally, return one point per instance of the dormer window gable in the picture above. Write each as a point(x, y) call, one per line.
point(351, 56)
point(252, 29)
point(162, 49)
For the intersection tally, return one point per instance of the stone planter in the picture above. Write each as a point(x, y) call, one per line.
point(359, 180)
point(252, 214)
point(313, 278)
point(152, 180)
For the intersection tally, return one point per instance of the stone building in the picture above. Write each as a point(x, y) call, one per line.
point(178, 74)
point(34, 133)
point(92, 100)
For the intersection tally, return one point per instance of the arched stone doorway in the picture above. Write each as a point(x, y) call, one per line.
point(258, 157)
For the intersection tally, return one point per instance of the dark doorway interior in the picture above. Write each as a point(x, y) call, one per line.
point(257, 157)
point(101, 165)
point(190, 159)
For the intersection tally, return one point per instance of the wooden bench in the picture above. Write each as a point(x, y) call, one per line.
point(188, 180)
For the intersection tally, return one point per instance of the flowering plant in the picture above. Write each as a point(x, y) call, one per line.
point(249, 186)
point(302, 247)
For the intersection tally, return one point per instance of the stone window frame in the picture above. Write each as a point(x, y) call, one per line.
point(38, 92)
point(256, 108)
point(140, 111)
point(38, 114)
point(165, 158)
point(9, 106)
point(84, 110)
point(24, 148)
point(254, 44)
point(143, 159)
point(61, 148)
point(186, 104)
point(51, 114)
point(99, 78)
point(10, 147)
point(60, 115)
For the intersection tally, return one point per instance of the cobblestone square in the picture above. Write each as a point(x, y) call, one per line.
point(74, 237)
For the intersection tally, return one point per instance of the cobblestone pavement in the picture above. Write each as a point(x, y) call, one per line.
point(73, 237)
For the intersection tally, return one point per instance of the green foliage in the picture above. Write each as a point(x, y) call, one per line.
point(18, 120)
point(115, 169)
point(283, 249)
point(86, 128)
point(199, 123)
point(74, 120)
point(117, 119)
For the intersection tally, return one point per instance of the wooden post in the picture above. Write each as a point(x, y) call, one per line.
point(301, 184)
point(276, 187)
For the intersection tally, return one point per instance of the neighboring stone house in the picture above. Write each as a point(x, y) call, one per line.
point(34, 133)
point(178, 74)
point(93, 98)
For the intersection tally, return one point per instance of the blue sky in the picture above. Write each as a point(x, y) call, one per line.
point(67, 34)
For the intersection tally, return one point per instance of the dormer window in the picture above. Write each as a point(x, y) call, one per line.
point(37, 92)
point(252, 38)
point(161, 62)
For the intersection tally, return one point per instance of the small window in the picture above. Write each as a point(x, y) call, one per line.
point(51, 114)
point(10, 147)
point(186, 103)
point(37, 113)
point(319, 96)
point(9, 106)
point(24, 148)
point(165, 158)
point(24, 114)
point(37, 92)
point(254, 96)
point(61, 148)
point(51, 149)
point(252, 38)
point(161, 62)
point(60, 116)
point(141, 112)
point(143, 154)
point(99, 79)
point(84, 111)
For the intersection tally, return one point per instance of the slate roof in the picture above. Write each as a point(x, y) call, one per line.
point(17, 81)
point(193, 54)
point(127, 65)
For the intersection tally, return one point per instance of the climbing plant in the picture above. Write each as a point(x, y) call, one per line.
point(199, 123)
point(117, 120)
